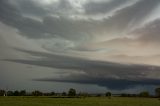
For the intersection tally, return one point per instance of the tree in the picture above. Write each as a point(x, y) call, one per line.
point(16, 93)
point(64, 94)
point(124, 95)
point(37, 93)
point(10, 93)
point(157, 92)
point(83, 94)
point(72, 92)
point(52, 93)
point(108, 94)
point(22, 93)
point(2, 92)
point(144, 94)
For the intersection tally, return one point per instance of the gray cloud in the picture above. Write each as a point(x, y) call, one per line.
point(49, 27)
point(34, 8)
point(65, 7)
point(102, 7)
point(118, 23)
point(69, 28)
point(60, 7)
point(130, 16)
point(149, 33)
point(12, 16)
point(111, 83)
point(94, 72)
point(30, 8)
point(28, 27)
point(9, 14)
point(146, 37)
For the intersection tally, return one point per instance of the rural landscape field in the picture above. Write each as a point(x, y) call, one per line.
point(89, 101)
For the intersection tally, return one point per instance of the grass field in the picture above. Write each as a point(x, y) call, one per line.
point(90, 101)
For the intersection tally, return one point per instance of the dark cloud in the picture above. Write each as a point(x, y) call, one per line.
point(149, 33)
point(9, 14)
point(141, 37)
point(111, 83)
point(49, 27)
point(118, 23)
point(71, 28)
point(64, 5)
point(32, 8)
point(28, 27)
point(28, 7)
point(94, 72)
point(130, 16)
point(102, 7)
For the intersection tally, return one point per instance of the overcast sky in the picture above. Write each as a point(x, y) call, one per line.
point(90, 45)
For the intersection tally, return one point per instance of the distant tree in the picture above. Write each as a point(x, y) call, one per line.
point(16, 93)
point(123, 95)
point(64, 94)
point(108, 94)
point(47, 94)
point(157, 92)
point(72, 92)
point(144, 94)
point(2, 93)
point(98, 95)
point(37, 93)
point(83, 94)
point(128, 95)
point(22, 93)
point(10, 93)
point(52, 93)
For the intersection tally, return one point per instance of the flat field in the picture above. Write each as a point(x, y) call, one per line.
point(89, 101)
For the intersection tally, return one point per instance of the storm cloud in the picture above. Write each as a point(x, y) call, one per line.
point(112, 43)
point(64, 26)
point(102, 73)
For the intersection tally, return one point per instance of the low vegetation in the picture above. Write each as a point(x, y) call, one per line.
point(88, 101)
point(72, 98)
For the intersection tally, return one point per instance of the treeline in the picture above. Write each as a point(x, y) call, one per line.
point(72, 93)
point(141, 94)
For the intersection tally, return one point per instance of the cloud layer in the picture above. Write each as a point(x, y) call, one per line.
point(111, 43)
point(108, 74)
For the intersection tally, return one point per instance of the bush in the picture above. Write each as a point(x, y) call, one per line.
point(144, 94)
point(108, 94)
point(16, 93)
point(2, 92)
point(53, 93)
point(72, 92)
point(64, 94)
point(10, 93)
point(37, 93)
point(22, 93)
point(157, 91)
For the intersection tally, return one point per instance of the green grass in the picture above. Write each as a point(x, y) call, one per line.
point(90, 101)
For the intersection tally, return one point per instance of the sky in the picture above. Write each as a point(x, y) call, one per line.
point(90, 45)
